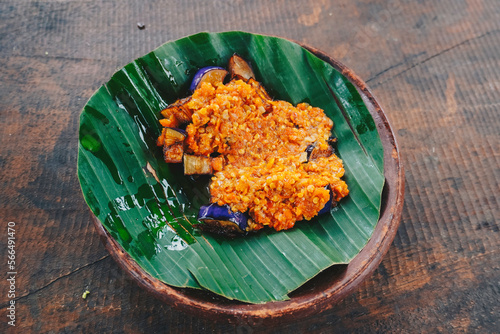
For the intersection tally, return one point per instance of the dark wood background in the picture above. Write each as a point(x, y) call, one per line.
point(433, 65)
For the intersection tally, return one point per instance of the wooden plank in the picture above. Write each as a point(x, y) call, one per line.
point(434, 67)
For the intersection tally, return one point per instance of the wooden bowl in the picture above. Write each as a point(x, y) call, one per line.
point(324, 290)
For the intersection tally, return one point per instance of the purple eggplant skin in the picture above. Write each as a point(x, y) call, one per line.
point(203, 72)
point(329, 204)
point(224, 215)
point(309, 150)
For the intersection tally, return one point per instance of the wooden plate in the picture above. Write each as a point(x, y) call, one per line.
point(324, 290)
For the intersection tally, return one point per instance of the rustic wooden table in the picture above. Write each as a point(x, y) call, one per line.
point(433, 65)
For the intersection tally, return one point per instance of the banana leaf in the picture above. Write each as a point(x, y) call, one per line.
point(149, 207)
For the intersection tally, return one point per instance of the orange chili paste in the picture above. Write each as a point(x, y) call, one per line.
point(260, 146)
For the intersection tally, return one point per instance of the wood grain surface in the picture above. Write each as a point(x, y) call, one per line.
point(433, 65)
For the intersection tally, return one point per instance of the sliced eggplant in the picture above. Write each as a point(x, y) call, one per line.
point(221, 219)
point(328, 206)
point(239, 68)
point(309, 150)
point(313, 152)
point(197, 165)
point(319, 153)
point(170, 121)
point(173, 135)
point(210, 74)
point(178, 111)
point(173, 153)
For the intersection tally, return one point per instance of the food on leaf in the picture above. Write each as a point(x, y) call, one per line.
point(149, 208)
point(270, 160)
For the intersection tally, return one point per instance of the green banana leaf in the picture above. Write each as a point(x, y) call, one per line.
point(149, 207)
